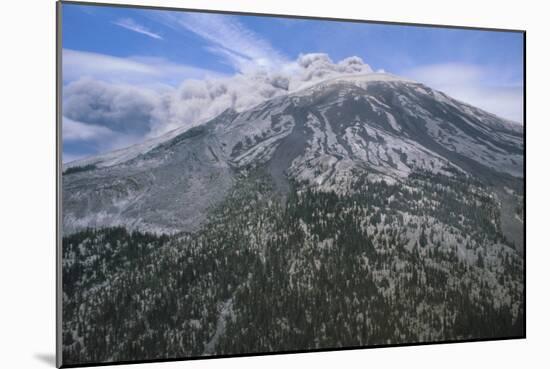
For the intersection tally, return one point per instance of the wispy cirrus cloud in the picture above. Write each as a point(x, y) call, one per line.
point(132, 25)
point(227, 37)
point(484, 87)
point(131, 70)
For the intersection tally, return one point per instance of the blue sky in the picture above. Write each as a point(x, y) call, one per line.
point(137, 57)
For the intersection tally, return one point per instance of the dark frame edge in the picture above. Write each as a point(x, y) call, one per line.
point(279, 15)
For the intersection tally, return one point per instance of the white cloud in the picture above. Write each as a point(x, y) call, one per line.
point(135, 112)
point(474, 85)
point(78, 131)
point(317, 66)
point(239, 46)
point(131, 70)
point(131, 25)
point(197, 100)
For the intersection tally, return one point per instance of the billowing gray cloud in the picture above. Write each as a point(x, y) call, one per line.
point(136, 112)
point(120, 108)
point(197, 100)
point(317, 66)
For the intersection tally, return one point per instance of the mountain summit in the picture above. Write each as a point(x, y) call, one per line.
point(324, 136)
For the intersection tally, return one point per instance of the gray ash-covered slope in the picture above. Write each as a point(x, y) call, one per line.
point(322, 136)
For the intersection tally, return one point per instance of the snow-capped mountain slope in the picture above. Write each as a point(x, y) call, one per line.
point(324, 135)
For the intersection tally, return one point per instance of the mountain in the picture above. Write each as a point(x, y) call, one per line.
point(323, 135)
point(359, 211)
